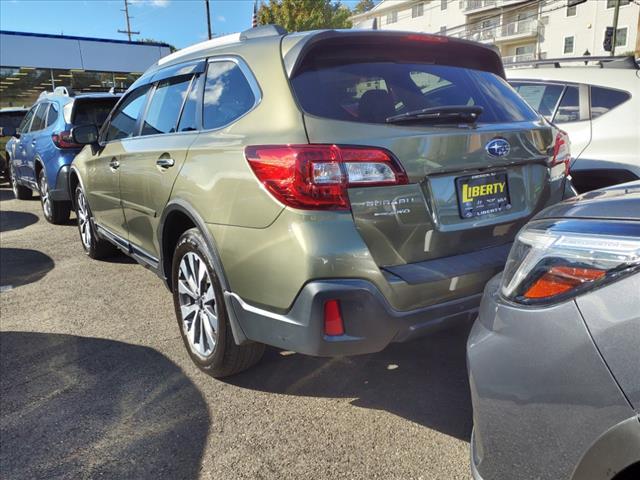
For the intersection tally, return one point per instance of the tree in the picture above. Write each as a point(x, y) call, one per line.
point(364, 6)
point(152, 40)
point(301, 15)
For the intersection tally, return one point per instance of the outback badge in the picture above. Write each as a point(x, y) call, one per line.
point(498, 147)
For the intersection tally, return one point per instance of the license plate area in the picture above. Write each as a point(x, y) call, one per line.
point(483, 194)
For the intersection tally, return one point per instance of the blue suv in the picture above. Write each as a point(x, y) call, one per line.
point(41, 150)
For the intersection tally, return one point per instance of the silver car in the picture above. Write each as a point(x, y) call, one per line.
point(554, 357)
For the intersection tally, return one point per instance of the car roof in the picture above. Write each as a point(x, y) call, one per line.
point(618, 202)
point(612, 78)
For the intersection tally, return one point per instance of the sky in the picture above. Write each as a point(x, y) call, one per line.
point(178, 22)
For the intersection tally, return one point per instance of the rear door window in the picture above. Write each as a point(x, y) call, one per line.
point(188, 118)
point(39, 119)
point(542, 97)
point(605, 99)
point(125, 118)
point(227, 94)
point(92, 111)
point(335, 90)
point(52, 116)
point(569, 108)
point(166, 104)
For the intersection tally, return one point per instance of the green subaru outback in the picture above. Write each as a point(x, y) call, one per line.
point(325, 192)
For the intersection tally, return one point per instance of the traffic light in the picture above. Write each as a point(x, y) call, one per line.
point(608, 39)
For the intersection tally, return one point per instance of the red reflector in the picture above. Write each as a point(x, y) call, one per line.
point(333, 325)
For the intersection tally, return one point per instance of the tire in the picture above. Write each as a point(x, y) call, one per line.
point(199, 304)
point(93, 246)
point(20, 192)
point(54, 212)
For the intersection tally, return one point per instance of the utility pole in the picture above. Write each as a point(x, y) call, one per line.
point(208, 18)
point(616, 11)
point(128, 31)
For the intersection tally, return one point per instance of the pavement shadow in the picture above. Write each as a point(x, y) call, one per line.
point(10, 220)
point(75, 407)
point(23, 266)
point(424, 381)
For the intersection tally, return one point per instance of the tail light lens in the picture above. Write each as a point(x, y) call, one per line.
point(561, 156)
point(64, 140)
point(553, 260)
point(318, 176)
point(333, 324)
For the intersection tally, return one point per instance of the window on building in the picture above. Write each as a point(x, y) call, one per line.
point(525, 49)
point(392, 17)
point(621, 37)
point(125, 118)
point(443, 4)
point(612, 3)
point(166, 104)
point(572, 11)
point(569, 107)
point(227, 95)
point(568, 45)
point(417, 10)
point(604, 99)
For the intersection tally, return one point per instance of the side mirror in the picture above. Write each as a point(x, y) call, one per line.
point(85, 134)
point(8, 131)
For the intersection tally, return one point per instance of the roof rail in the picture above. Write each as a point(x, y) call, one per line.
point(624, 62)
point(58, 91)
point(263, 31)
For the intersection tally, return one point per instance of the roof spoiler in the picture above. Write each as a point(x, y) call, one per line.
point(263, 31)
point(623, 62)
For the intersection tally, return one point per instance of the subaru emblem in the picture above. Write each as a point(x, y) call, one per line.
point(498, 147)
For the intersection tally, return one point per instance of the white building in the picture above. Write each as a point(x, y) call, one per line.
point(522, 29)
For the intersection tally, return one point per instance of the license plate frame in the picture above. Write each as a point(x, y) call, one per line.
point(493, 198)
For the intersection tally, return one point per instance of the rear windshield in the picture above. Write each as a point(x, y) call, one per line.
point(92, 111)
point(371, 91)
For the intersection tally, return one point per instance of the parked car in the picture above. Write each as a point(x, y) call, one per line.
point(598, 106)
point(41, 150)
point(553, 357)
point(10, 118)
point(324, 192)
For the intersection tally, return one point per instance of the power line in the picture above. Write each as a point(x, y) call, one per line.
point(128, 31)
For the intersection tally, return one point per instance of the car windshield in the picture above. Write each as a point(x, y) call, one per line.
point(373, 91)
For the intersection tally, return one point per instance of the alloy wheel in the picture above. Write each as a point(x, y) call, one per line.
point(44, 196)
point(198, 306)
point(83, 220)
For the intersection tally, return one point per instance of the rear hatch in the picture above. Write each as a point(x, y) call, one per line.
point(91, 110)
point(473, 181)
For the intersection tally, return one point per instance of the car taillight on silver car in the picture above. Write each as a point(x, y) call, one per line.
point(552, 260)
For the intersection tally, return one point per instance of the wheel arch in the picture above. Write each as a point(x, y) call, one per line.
point(74, 181)
point(177, 217)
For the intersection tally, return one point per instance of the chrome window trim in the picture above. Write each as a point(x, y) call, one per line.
point(251, 80)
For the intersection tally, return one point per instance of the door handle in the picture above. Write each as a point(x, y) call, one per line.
point(165, 162)
point(114, 164)
point(33, 142)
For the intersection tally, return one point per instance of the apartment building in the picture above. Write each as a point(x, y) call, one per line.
point(523, 30)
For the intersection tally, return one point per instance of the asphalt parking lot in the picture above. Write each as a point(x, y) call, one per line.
point(95, 383)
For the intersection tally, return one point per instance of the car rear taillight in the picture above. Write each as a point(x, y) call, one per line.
point(561, 156)
point(64, 140)
point(318, 176)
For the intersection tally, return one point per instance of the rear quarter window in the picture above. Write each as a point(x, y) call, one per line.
point(227, 94)
point(605, 99)
point(368, 91)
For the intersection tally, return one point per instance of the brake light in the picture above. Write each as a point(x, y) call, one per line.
point(318, 176)
point(426, 38)
point(561, 156)
point(64, 140)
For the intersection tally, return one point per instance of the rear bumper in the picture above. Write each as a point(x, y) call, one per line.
point(60, 192)
point(370, 323)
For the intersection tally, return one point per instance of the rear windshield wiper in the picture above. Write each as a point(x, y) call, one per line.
point(448, 114)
